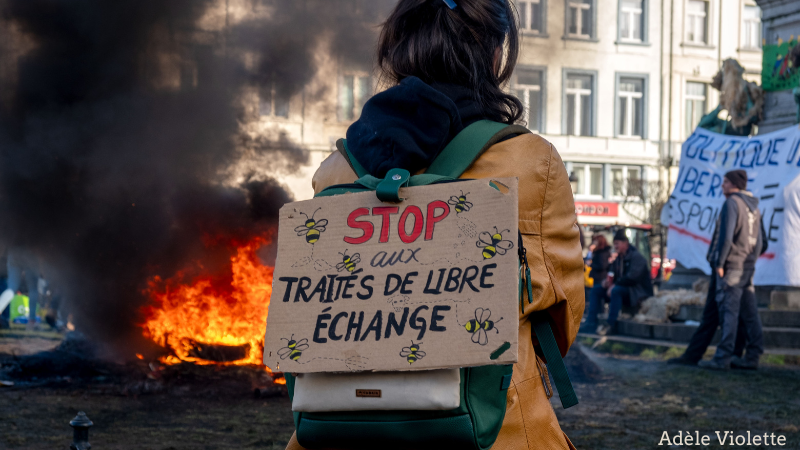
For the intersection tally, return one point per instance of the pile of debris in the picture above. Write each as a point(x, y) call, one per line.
point(80, 363)
point(662, 306)
point(76, 357)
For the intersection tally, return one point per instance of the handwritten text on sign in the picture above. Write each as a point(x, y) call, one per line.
point(431, 282)
point(772, 162)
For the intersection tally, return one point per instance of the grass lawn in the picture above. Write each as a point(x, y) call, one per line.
point(637, 398)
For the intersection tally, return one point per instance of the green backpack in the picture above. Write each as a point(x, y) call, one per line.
point(476, 423)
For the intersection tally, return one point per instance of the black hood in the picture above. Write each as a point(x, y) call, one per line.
point(748, 199)
point(407, 125)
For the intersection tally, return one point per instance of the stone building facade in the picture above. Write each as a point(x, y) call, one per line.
point(615, 85)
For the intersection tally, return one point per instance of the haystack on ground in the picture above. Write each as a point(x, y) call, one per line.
point(659, 308)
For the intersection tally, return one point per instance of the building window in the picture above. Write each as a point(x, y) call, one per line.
point(626, 181)
point(695, 104)
point(580, 18)
point(631, 21)
point(531, 15)
point(751, 28)
point(590, 179)
point(271, 103)
point(579, 100)
point(354, 91)
point(528, 88)
point(630, 107)
point(697, 21)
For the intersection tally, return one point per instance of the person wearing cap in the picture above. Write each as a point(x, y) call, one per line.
point(705, 332)
point(631, 283)
point(738, 241)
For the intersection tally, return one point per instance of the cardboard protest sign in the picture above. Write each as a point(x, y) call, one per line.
point(772, 162)
point(431, 282)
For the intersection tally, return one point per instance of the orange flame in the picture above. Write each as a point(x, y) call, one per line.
point(202, 312)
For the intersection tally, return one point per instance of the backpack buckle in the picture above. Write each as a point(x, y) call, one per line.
point(388, 189)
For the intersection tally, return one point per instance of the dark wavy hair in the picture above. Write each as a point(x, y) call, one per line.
point(428, 40)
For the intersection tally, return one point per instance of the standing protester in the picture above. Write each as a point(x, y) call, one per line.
point(738, 244)
point(447, 62)
point(704, 334)
point(597, 295)
point(631, 283)
point(22, 263)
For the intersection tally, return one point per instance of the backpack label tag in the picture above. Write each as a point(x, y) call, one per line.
point(368, 393)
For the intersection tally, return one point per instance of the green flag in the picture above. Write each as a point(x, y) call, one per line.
point(777, 72)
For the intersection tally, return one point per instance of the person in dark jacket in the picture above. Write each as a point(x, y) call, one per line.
point(631, 283)
point(597, 295)
point(704, 334)
point(738, 242)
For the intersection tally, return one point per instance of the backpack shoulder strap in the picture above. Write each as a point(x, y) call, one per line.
point(470, 143)
point(459, 154)
point(360, 171)
point(543, 331)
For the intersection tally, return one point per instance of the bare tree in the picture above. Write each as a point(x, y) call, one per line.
point(643, 200)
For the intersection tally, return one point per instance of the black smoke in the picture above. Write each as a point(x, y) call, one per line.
point(120, 117)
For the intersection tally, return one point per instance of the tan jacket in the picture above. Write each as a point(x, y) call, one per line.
point(550, 233)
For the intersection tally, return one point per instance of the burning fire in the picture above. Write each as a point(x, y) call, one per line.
point(207, 317)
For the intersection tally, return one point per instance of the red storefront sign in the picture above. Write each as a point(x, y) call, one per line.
point(600, 209)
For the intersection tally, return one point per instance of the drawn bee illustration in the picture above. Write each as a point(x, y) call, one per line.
point(294, 349)
point(493, 243)
point(311, 229)
point(349, 262)
point(460, 202)
point(412, 353)
point(480, 325)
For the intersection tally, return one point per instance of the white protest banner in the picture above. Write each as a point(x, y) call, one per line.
point(431, 282)
point(772, 162)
